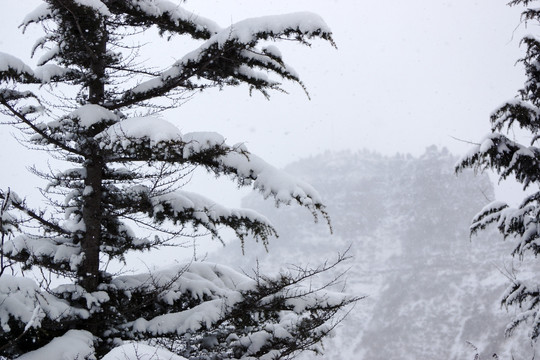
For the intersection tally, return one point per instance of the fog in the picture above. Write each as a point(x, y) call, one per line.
point(432, 290)
point(405, 75)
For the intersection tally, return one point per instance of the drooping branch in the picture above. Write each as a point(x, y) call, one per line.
point(51, 226)
point(245, 310)
point(166, 16)
point(230, 56)
point(37, 129)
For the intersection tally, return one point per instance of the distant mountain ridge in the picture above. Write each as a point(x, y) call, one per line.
point(430, 288)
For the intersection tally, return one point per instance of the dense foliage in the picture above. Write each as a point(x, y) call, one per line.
point(127, 169)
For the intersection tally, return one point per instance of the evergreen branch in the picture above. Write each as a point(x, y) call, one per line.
point(135, 16)
point(36, 129)
point(32, 214)
point(82, 34)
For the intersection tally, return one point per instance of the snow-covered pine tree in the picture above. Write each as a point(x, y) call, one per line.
point(511, 158)
point(128, 170)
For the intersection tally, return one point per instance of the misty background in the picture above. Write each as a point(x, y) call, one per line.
point(405, 75)
point(410, 85)
point(432, 292)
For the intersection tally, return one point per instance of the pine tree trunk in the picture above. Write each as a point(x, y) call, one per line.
point(92, 211)
point(89, 270)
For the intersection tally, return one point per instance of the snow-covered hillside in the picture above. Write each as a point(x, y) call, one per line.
point(432, 291)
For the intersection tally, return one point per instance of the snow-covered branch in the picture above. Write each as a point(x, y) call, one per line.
point(258, 316)
point(129, 170)
point(231, 57)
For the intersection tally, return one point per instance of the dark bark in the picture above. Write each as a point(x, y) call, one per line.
point(92, 204)
point(89, 270)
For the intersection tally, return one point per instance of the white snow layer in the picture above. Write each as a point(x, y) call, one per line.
point(155, 8)
point(9, 62)
point(204, 314)
point(151, 127)
point(43, 73)
point(201, 141)
point(97, 5)
point(138, 351)
point(217, 287)
point(38, 14)
point(223, 287)
point(90, 114)
point(59, 250)
point(49, 55)
point(196, 279)
point(271, 181)
point(22, 299)
point(43, 11)
point(246, 31)
point(204, 209)
point(73, 345)
point(219, 283)
point(47, 72)
point(176, 13)
point(268, 179)
point(486, 145)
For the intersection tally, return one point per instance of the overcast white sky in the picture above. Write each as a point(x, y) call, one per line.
point(406, 75)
